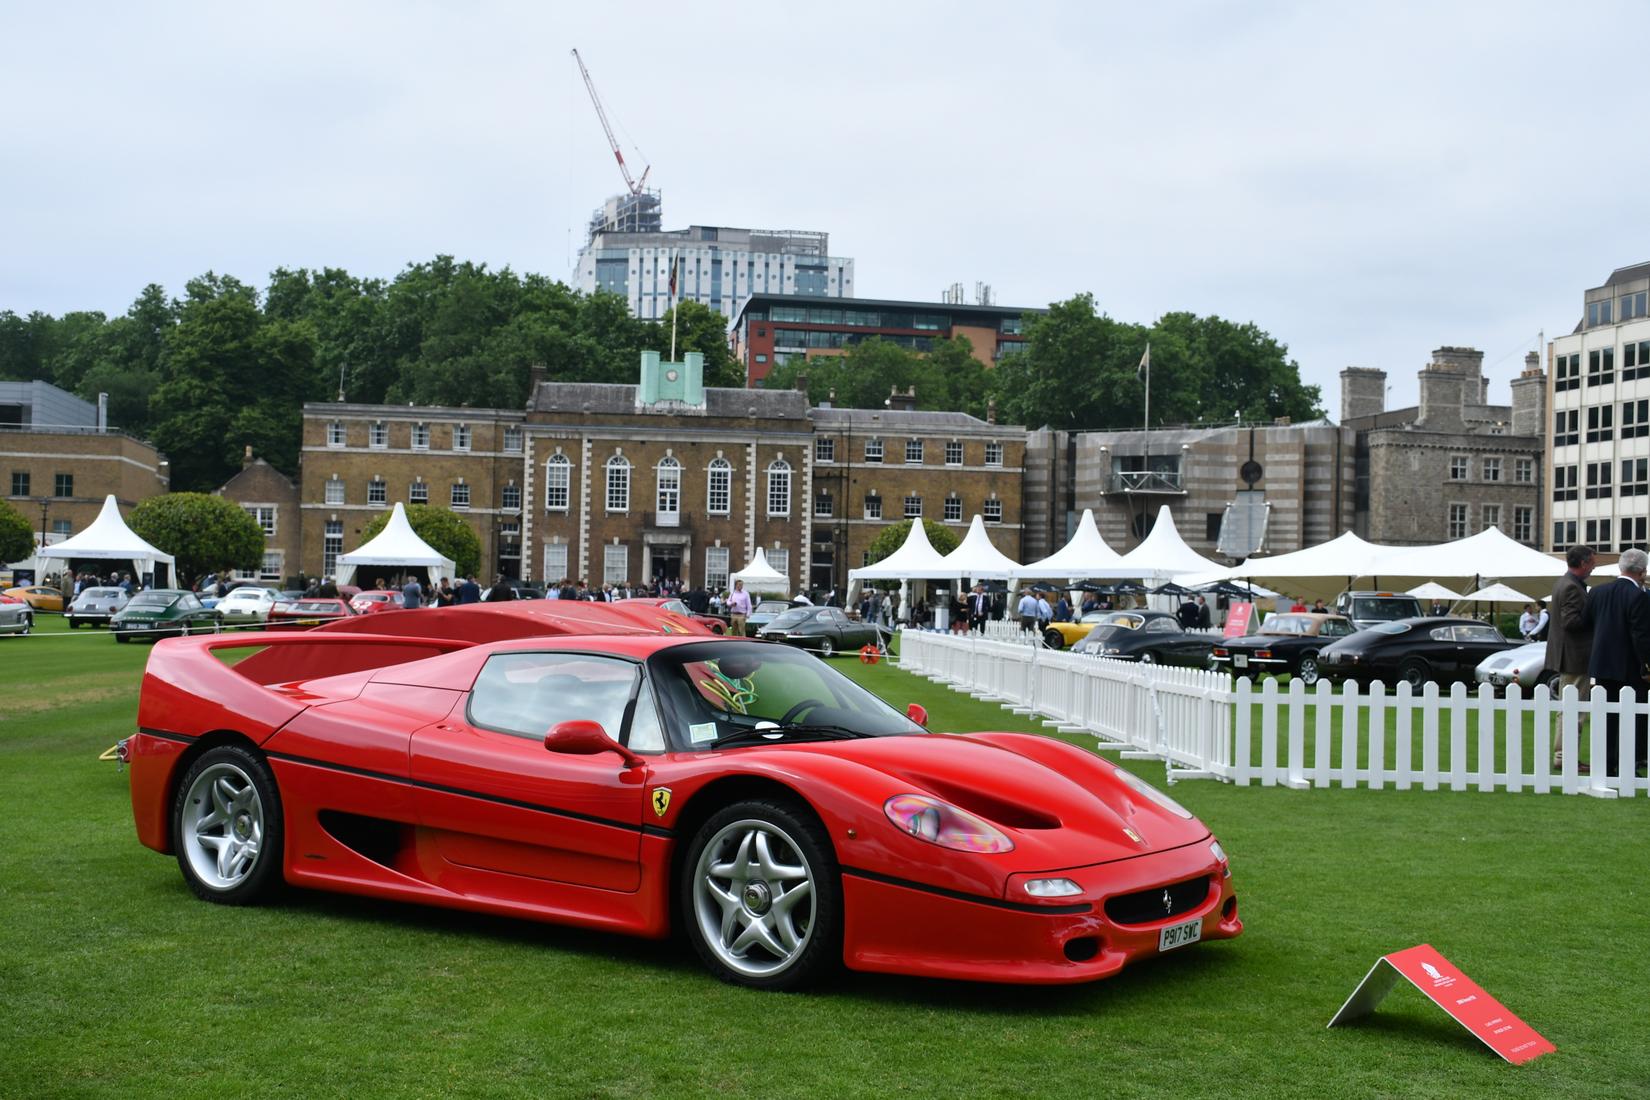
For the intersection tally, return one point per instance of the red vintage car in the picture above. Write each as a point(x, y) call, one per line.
point(309, 611)
point(789, 820)
point(375, 600)
point(677, 607)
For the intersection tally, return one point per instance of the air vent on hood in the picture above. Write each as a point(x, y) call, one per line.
point(993, 809)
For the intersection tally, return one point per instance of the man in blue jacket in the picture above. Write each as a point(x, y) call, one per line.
point(1620, 613)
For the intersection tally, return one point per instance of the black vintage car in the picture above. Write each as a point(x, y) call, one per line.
point(1150, 637)
point(823, 630)
point(1416, 650)
point(1284, 643)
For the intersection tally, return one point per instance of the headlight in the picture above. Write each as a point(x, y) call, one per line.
point(1113, 649)
point(1220, 854)
point(1153, 793)
point(1052, 888)
point(941, 823)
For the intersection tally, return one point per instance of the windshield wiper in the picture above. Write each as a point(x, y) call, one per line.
point(761, 735)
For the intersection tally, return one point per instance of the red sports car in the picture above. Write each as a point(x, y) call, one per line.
point(786, 818)
point(309, 611)
point(375, 600)
point(677, 607)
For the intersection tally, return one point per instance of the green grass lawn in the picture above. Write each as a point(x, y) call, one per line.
point(115, 981)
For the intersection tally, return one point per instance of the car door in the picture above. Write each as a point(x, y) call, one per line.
point(498, 803)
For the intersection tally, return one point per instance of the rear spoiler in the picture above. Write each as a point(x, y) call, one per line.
point(189, 691)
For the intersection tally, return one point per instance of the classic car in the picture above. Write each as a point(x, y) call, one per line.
point(248, 604)
point(1284, 643)
point(1526, 666)
point(95, 606)
point(1150, 637)
point(1370, 608)
point(677, 607)
point(375, 600)
point(824, 630)
point(786, 820)
point(16, 617)
point(308, 611)
point(764, 612)
point(156, 612)
point(1414, 650)
point(1061, 635)
point(38, 596)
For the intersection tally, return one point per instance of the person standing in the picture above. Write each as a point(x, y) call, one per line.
point(412, 594)
point(1027, 611)
point(1526, 622)
point(1570, 633)
point(739, 608)
point(1620, 615)
point(469, 591)
point(444, 594)
point(501, 591)
point(1203, 619)
point(979, 608)
point(1186, 613)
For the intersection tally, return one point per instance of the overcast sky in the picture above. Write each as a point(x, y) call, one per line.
point(1364, 184)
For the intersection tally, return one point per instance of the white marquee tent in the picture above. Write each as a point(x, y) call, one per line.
point(396, 545)
point(759, 576)
point(1082, 554)
point(916, 559)
point(1488, 555)
point(975, 558)
point(109, 539)
point(1161, 556)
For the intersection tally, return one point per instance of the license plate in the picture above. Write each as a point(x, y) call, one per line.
point(1240, 660)
point(1179, 935)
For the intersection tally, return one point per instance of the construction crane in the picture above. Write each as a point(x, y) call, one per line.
point(636, 186)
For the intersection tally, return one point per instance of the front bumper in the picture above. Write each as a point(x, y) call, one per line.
point(904, 928)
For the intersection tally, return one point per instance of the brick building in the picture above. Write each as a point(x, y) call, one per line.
point(665, 478)
point(271, 498)
point(59, 459)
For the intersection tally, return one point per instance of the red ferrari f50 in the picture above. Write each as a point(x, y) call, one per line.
point(785, 817)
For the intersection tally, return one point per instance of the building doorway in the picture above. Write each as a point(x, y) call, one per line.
point(666, 564)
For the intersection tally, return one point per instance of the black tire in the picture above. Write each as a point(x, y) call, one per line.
point(827, 648)
point(245, 772)
point(1307, 671)
point(122, 637)
point(1054, 639)
point(1415, 672)
point(73, 624)
point(792, 834)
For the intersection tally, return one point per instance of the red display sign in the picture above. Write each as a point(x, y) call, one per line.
point(1452, 991)
point(1237, 619)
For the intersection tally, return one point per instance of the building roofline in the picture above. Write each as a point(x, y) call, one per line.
point(877, 303)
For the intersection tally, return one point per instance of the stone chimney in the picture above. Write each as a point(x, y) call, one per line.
point(535, 378)
point(1468, 362)
point(246, 456)
point(902, 402)
point(1450, 381)
point(1529, 398)
point(1363, 392)
point(991, 410)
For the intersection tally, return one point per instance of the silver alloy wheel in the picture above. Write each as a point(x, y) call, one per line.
point(826, 649)
point(753, 896)
point(1146, 658)
point(1309, 669)
point(222, 829)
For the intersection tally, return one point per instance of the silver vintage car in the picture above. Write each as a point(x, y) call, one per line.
point(94, 606)
point(1522, 666)
point(16, 617)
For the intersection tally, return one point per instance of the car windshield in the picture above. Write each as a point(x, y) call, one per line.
point(771, 607)
point(154, 599)
point(1124, 620)
point(1386, 608)
point(676, 606)
point(1286, 624)
point(1095, 617)
point(793, 618)
point(330, 606)
point(1478, 634)
point(713, 689)
point(102, 593)
point(1334, 628)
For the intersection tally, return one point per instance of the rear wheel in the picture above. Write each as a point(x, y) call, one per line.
point(762, 896)
point(227, 827)
point(827, 648)
point(1308, 669)
point(1054, 639)
point(28, 623)
point(1415, 673)
point(1148, 658)
point(74, 624)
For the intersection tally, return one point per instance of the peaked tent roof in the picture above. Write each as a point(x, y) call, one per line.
point(396, 544)
point(1489, 554)
point(759, 576)
point(1497, 593)
point(1432, 590)
point(976, 556)
point(915, 558)
point(1163, 553)
point(1085, 552)
point(108, 537)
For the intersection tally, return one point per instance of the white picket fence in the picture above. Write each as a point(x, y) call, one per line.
point(1202, 724)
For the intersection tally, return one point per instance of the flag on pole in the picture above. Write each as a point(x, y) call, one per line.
point(675, 261)
point(1144, 370)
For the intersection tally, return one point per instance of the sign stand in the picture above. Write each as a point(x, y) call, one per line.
point(1452, 991)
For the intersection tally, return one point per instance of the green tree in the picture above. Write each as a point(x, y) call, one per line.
point(206, 533)
point(893, 536)
point(947, 377)
point(700, 328)
point(443, 529)
point(16, 535)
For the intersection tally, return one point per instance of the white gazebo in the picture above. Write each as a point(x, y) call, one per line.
point(109, 539)
point(916, 559)
point(759, 576)
point(396, 545)
point(1161, 556)
point(1488, 555)
point(976, 558)
point(1084, 553)
point(1324, 570)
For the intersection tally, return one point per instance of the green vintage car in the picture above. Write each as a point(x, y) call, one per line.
point(163, 612)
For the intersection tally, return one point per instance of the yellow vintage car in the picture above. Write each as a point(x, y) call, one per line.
point(1062, 635)
point(37, 596)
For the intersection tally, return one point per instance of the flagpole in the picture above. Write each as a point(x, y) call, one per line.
point(673, 310)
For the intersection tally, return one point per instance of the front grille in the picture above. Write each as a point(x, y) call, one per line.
point(1146, 906)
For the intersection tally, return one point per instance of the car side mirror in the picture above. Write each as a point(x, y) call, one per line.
point(582, 737)
point(917, 713)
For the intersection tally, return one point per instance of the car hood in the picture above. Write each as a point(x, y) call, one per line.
point(1062, 806)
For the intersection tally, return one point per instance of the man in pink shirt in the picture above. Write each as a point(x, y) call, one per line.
point(739, 606)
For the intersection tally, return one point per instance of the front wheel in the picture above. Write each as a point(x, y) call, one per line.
point(762, 896)
point(1309, 669)
point(74, 624)
point(827, 648)
point(1415, 673)
point(1053, 639)
point(1148, 658)
point(227, 827)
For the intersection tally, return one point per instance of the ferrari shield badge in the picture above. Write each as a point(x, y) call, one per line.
point(661, 800)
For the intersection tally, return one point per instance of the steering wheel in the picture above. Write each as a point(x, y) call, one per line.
point(806, 704)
